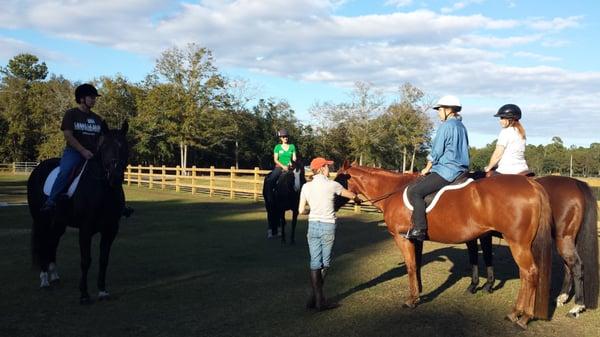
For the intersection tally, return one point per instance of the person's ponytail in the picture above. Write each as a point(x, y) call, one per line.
point(520, 129)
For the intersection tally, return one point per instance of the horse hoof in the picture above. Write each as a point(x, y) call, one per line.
point(85, 300)
point(410, 304)
point(104, 296)
point(521, 326)
point(561, 300)
point(472, 288)
point(522, 322)
point(512, 317)
point(576, 311)
point(488, 288)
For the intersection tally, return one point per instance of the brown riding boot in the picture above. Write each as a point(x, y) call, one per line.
point(316, 280)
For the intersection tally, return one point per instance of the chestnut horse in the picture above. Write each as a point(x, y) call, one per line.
point(575, 232)
point(515, 206)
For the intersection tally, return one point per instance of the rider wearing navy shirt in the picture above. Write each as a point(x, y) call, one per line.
point(82, 129)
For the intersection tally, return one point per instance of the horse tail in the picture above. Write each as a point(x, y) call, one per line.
point(34, 204)
point(542, 254)
point(587, 246)
point(35, 199)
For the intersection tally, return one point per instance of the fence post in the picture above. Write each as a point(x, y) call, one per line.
point(193, 179)
point(356, 208)
point(128, 175)
point(14, 167)
point(177, 179)
point(231, 177)
point(150, 177)
point(139, 175)
point(211, 182)
point(163, 177)
point(256, 184)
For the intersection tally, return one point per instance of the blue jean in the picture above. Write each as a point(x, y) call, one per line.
point(70, 159)
point(320, 238)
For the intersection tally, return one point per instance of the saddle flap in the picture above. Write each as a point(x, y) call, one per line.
point(432, 199)
point(75, 176)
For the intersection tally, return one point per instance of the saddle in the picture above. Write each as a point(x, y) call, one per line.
point(73, 180)
point(431, 199)
point(527, 173)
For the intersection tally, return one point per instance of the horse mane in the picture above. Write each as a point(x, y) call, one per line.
point(386, 173)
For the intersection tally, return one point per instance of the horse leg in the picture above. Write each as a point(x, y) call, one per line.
point(528, 275)
point(472, 249)
point(573, 276)
point(408, 251)
point(282, 224)
point(58, 231)
point(294, 221)
point(419, 260)
point(579, 306)
point(44, 257)
point(488, 258)
point(105, 244)
point(85, 242)
point(566, 251)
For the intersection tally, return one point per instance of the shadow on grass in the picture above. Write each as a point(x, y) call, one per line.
point(505, 269)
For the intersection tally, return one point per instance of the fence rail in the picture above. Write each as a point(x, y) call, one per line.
point(232, 182)
point(18, 167)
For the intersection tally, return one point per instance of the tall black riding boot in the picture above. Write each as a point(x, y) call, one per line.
point(311, 302)
point(316, 280)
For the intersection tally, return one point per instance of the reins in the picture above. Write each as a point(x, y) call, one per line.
point(382, 197)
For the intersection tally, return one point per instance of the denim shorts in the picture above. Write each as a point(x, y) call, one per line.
point(320, 238)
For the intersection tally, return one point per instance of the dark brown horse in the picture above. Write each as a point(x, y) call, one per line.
point(515, 206)
point(575, 233)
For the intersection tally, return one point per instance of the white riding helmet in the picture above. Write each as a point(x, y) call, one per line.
point(449, 101)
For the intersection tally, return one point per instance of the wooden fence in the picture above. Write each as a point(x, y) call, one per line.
point(18, 167)
point(231, 182)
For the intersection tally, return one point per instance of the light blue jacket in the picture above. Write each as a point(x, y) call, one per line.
point(450, 149)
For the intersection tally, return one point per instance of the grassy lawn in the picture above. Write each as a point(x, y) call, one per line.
point(187, 265)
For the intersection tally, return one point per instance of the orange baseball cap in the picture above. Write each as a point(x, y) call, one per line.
point(319, 162)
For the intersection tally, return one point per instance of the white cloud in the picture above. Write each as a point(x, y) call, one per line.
point(495, 42)
point(398, 3)
point(12, 47)
point(459, 5)
point(555, 24)
point(537, 57)
point(305, 40)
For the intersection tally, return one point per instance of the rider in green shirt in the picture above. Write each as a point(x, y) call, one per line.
point(283, 156)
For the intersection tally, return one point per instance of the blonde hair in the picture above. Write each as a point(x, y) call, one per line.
point(520, 129)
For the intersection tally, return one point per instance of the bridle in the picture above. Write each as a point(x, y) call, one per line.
point(383, 196)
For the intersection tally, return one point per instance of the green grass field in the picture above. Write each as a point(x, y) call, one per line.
point(188, 265)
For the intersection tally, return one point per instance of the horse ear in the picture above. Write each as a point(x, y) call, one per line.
point(125, 127)
point(345, 165)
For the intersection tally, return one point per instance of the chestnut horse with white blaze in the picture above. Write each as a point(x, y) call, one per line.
point(515, 206)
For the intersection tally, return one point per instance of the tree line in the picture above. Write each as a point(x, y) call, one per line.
point(185, 112)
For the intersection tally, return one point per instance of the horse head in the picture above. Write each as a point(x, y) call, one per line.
point(375, 184)
point(297, 169)
point(113, 152)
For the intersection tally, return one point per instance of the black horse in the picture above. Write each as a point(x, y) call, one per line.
point(95, 207)
point(286, 196)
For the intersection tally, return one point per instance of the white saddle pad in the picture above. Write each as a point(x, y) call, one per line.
point(52, 177)
point(437, 195)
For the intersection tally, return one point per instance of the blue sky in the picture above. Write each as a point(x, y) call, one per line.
point(539, 55)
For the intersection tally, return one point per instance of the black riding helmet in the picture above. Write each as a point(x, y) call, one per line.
point(282, 133)
point(85, 90)
point(509, 111)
